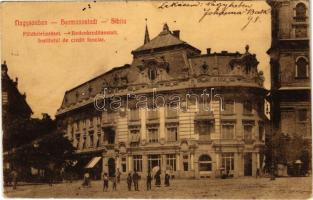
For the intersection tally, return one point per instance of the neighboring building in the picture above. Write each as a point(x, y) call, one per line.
point(290, 68)
point(15, 109)
point(191, 142)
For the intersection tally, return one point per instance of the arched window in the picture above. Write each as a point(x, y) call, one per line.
point(205, 163)
point(152, 73)
point(300, 12)
point(302, 67)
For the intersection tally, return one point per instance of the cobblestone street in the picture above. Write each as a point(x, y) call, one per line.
point(247, 188)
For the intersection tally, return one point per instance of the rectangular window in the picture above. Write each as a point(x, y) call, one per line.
point(77, 137)
point(185, 166)
point(228, 107)
point(171, 112)
point(123, 164)
point(302, 115)
point(288, 122)
point(261, 132)
point(204, 108)
point(75, 127)
point(204, 129)
point(91, 139)
point(228, 131)
point(171, 134)
point(171, 161)
point(154, 160)
point(301, 31)
point(153, 134)
point(98, 120)
point(84, 143)
point(134, 137)
point(228, 161)
point(137, 163)
point(4, 98)
point(153, 114)
point(247, 107)
point(134, 115)
point(247, 129)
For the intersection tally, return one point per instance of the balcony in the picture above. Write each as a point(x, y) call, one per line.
point(300, 18)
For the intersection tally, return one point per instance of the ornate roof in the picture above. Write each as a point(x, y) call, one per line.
point(165, 39)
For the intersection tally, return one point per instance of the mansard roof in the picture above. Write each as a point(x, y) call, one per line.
point(166, 38)
point(176, 70)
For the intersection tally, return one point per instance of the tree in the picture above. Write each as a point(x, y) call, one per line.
point(48, 153)
point(286, 151)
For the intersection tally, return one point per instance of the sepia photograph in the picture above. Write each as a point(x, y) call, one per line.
point(156, 99)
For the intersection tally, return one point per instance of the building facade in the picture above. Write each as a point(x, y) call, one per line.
point(196, 115)
point(290, 69)
point(14, 108)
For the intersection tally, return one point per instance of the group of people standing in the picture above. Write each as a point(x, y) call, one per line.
point(132, 180)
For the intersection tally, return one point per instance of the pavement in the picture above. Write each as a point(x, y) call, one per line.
point(236, 188)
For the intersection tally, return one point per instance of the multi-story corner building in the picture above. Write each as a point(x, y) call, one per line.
point(14, 108)
point(290, 68)
point(219, 125)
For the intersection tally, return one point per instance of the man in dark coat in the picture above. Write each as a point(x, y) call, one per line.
point(129, 181)
point(167, 180)
point(135, 180)
point(158, 178)
point(149, 180)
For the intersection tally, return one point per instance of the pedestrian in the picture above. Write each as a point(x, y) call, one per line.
point(105, 182)
point(114, 180)
point(135, 180)
point(118, 175)
point(167, 179)
point(149, 180)
point(257, 174)
point(14, 178)
point(158, 178)
point(86, 181)
point(129, 181)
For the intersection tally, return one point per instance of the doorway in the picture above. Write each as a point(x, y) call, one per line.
point(111, 167)
point(248, 164)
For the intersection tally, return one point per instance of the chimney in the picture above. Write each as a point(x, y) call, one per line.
point(208, 50)
point(176, 33)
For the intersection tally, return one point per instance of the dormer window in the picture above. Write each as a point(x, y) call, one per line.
point(302, 66)
point(152, 73)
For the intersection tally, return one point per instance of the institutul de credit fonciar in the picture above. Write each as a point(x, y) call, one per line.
point(195, 115)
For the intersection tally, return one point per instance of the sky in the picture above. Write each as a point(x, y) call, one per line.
point(46, 71)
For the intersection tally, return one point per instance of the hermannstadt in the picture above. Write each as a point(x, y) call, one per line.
point(196, 115)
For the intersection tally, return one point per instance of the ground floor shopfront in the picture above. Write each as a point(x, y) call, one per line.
point(199, 161)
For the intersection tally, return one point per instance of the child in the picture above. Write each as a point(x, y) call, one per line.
point(105, 182)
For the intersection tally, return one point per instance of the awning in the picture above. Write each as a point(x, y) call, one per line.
point(93, 162)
